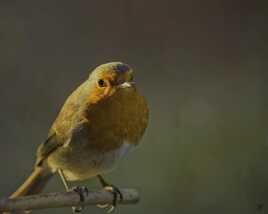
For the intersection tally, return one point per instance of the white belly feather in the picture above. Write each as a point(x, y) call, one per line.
point(98, 164)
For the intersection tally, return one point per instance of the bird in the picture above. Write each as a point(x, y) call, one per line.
point(99, 123)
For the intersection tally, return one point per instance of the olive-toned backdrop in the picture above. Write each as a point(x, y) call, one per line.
point(201, 65)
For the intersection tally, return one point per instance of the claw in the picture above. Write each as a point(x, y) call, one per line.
point(115, 191)
point(81, 191)
point(77, 209)
point(111, 209)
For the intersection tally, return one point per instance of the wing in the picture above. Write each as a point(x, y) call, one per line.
point(46, 148)
point(68, 124)
point(77, 135)
point(80, 134)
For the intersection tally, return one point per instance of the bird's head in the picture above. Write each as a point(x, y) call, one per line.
point(109, 78)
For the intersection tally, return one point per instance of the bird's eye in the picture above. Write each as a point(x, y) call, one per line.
point(101, 83)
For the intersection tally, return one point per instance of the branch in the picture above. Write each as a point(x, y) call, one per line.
point(65, 199)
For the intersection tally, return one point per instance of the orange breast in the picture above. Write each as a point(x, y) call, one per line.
point(121, 117)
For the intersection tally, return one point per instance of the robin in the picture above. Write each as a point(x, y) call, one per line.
point(99, 123)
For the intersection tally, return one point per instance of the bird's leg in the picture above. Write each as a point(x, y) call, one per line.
point(79, 190)
point(114, 190)
point(64, 180)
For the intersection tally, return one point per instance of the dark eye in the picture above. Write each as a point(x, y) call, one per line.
point(101, 83)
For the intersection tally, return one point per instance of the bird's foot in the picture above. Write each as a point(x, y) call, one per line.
point(116, 192)
point(82, 191)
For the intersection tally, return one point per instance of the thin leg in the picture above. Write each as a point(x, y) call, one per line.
point(102, 181)
point(64, 181)
point(114, 190)
point(79, 190)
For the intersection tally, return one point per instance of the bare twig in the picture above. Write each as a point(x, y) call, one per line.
point(66, 199)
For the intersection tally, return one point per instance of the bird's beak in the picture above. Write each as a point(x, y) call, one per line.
point(126, 85)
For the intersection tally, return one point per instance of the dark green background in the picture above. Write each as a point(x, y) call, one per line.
point(202, 66)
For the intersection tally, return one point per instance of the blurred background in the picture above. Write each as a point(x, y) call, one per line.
point(202, 66)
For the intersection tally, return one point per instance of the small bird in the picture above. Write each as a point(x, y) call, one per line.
point(99, 123)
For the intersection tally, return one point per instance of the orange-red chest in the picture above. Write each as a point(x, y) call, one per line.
point(121, 118)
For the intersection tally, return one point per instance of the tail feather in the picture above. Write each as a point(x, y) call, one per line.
point(34, 184)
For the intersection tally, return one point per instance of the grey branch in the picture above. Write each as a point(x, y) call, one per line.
point(66, 199)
